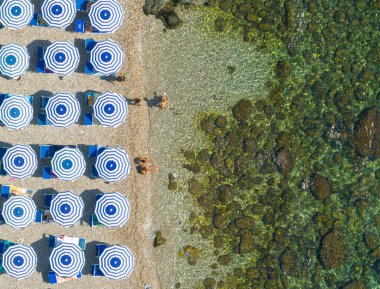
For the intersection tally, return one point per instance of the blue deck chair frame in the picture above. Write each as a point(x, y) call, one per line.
point(99, 249)
point(46, 151)
point(5, 191)
point(47, 200)
point(88, 118)
point(95, 271)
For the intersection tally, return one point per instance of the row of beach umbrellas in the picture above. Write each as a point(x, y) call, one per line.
point(68, 260)
point(105, 15)
point(63, 110)
point(62, 57)
point(68, 163)
point(66, 208)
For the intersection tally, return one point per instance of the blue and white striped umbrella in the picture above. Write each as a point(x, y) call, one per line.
point(107, 57)
point(116, 262)
point(14, 60)
point(16, 14)
point(58, 13)
point(67, 260)
point(68, 164)
point(106, 15)
point(112, 210)
point(61, 57)
point(63, 109)
point(19, 211)
point(110, 109)
point(112, 164)
point(20, 161)
point(67, 209)
point(20, 261)
point(16, 112)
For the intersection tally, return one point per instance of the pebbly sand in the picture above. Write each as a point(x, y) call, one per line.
point(132, 135)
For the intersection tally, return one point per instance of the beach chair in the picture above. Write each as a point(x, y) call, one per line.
point(2, 221)
point(40, 67)
point(82, 243)
point(94, 172)
point(89, 68)
point(34, 21)
point(47, 173)
point(2, 171)
point(90, 44)
point(2, 152)
point(94, 222)
point(92, 151)
point(90, 97)
point(88, 118)
point(5, 191)
point(95, 271)
point(39, 215)
point(2, 97)
point(44, 101)
point(46, 151)
point(29, 98)
point(38, 21)
point(42, 119)
point(99, 249)
point(98, 196)
point(47, 200)
point(2, 270)
point(81, 5)
point(51, 241)
point(52, 277)
point(79, 26)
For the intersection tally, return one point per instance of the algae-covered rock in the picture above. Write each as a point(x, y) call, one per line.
point(333, 251)
point(191, 253)
point(172, 186)
point(225, 259)
point(206, 201)
point(195, 187)
point(320, 187)
point(220, 221)
point(221, 121)
point(287, 262)
point(220, 24)
point(249, 145)
point(367, 134)
point(152, 7)
point(169, 18)
point(209, 283)
point(244, 222)
point(207, 125)
point(242, 110)
point(225, 194)
point(371, 240)
point(355, 285)
point(158, 239)
point(283, 69)
point(246, 243)
point(284, 161)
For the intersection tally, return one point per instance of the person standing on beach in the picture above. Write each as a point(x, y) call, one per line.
point(163, 102)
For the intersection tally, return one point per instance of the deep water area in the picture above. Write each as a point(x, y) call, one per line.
point(284, 184)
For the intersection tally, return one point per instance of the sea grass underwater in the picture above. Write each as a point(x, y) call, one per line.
point(288, 183)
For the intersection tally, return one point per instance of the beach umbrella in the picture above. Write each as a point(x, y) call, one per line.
point(107, 57)
point(14, 60)
point(110, 109)
point(20, 161)
point(67, 260)
point(116, 262)
point(61, 57)
point(112, 210)
point(66, 208)
point(16, 14)
point(68, 164)
point(106, 15)
point(19, 261)
point(58, 13)
point(19, 211)
point(112, 164)
point(16, 112)
point(63, 109)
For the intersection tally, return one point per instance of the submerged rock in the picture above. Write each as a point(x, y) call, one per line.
point(246, 244)
point(209, 283)
point(169, 18)
point(371, 240)
point(284, 161)
point(320, 187)
point(244, 222)
point(333, 251)
point(220, 24)
point(195, 187)
point(158, 239)
point(367, 134)
point(172, 186)
point(242, 110)
point(152, 7)
point(220, 221)
point(192, 254)
point(287, 262)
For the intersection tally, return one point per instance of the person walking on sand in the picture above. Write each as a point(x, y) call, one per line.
point(163, 102)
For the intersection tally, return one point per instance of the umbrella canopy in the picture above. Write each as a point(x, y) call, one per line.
point(110, 109)
point(16, 14)
point(63, 110)
point(67, 260)
point(16, 112)
point(107, 57)
point(58, 13)
point(116, 262)
point(68, 164)
point(20, 161)
point(61, 57)
point(67, 209)
point(19, 261)
point(106, 15)
point(14, 60)
point(19, 211)
point(112, 164)
point(112, 210)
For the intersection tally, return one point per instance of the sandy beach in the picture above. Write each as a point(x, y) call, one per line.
point(132, 135)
